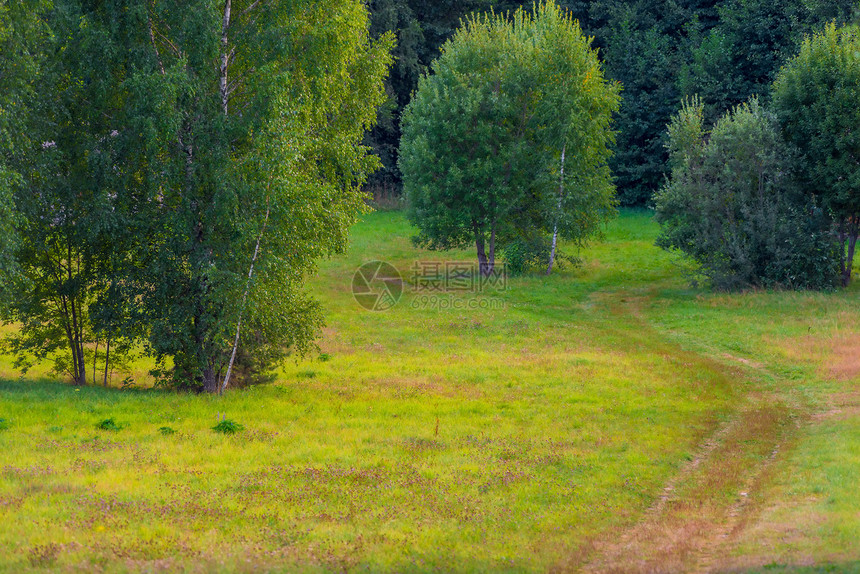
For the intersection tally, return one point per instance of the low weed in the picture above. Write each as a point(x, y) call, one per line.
point(44, 556)
point(228, 427)
point(108, 425)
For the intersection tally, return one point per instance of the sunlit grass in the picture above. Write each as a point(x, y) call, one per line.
point(499, 438)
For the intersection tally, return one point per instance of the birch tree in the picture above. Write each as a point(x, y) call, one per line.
point(481, 154)
point(271, 179)
point(574, 115)
point(199, 158)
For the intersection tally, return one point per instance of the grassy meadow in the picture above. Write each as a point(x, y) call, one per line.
point(609, 417)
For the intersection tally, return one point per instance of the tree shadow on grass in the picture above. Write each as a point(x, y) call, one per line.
point(47, 388)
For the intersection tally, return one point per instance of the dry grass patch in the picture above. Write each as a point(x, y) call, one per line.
point(706, 503)
point(844, 363)
point(837, 356)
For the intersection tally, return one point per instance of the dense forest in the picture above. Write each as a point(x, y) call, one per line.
point(659, 50)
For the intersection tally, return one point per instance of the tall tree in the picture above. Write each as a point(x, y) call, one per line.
point(645, 62)
point(47, 293)
point(71, 207)
point(268, 165)
point(815, 96)
point(195, 161)
point(484, 134)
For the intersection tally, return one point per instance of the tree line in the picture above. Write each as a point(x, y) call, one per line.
point(506, 146)
point(171, 173)
point(661, 51)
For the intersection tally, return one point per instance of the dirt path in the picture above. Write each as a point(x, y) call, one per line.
point(706, 506)
point(719, 500)
point(715, 548)
point(707, 503)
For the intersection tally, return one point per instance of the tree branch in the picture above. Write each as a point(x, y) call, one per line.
point(152, 40)
point(244, 12)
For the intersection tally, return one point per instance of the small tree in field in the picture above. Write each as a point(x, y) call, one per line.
point(817, 99)
point(509, 137)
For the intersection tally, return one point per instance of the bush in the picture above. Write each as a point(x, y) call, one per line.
point(527, 254)
point(732, 204)
point(532, 255)
point(227, 427)
point(256, 359)
point(815, 97)
point(109, 425)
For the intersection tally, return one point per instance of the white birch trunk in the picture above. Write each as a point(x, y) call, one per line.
point(558, 213)
point(225, 56)
point(244, 301)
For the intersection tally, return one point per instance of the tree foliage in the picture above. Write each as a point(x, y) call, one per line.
point(195, 160)
point(58, 215)
point(662, 51)
point(421, 27)
point(741, 55)
point(484, 135)
point(815, 97)
point(659, 50)
point(22, 37)
point(733, 206)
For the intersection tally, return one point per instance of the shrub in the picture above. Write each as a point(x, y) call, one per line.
point(228, 427)
point(256, 359)
point(733, 205)
point(527, 254)
point(532, 254)
point(109, 425)
point(816, 99)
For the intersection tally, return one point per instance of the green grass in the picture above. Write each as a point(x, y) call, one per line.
point(512, 436)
